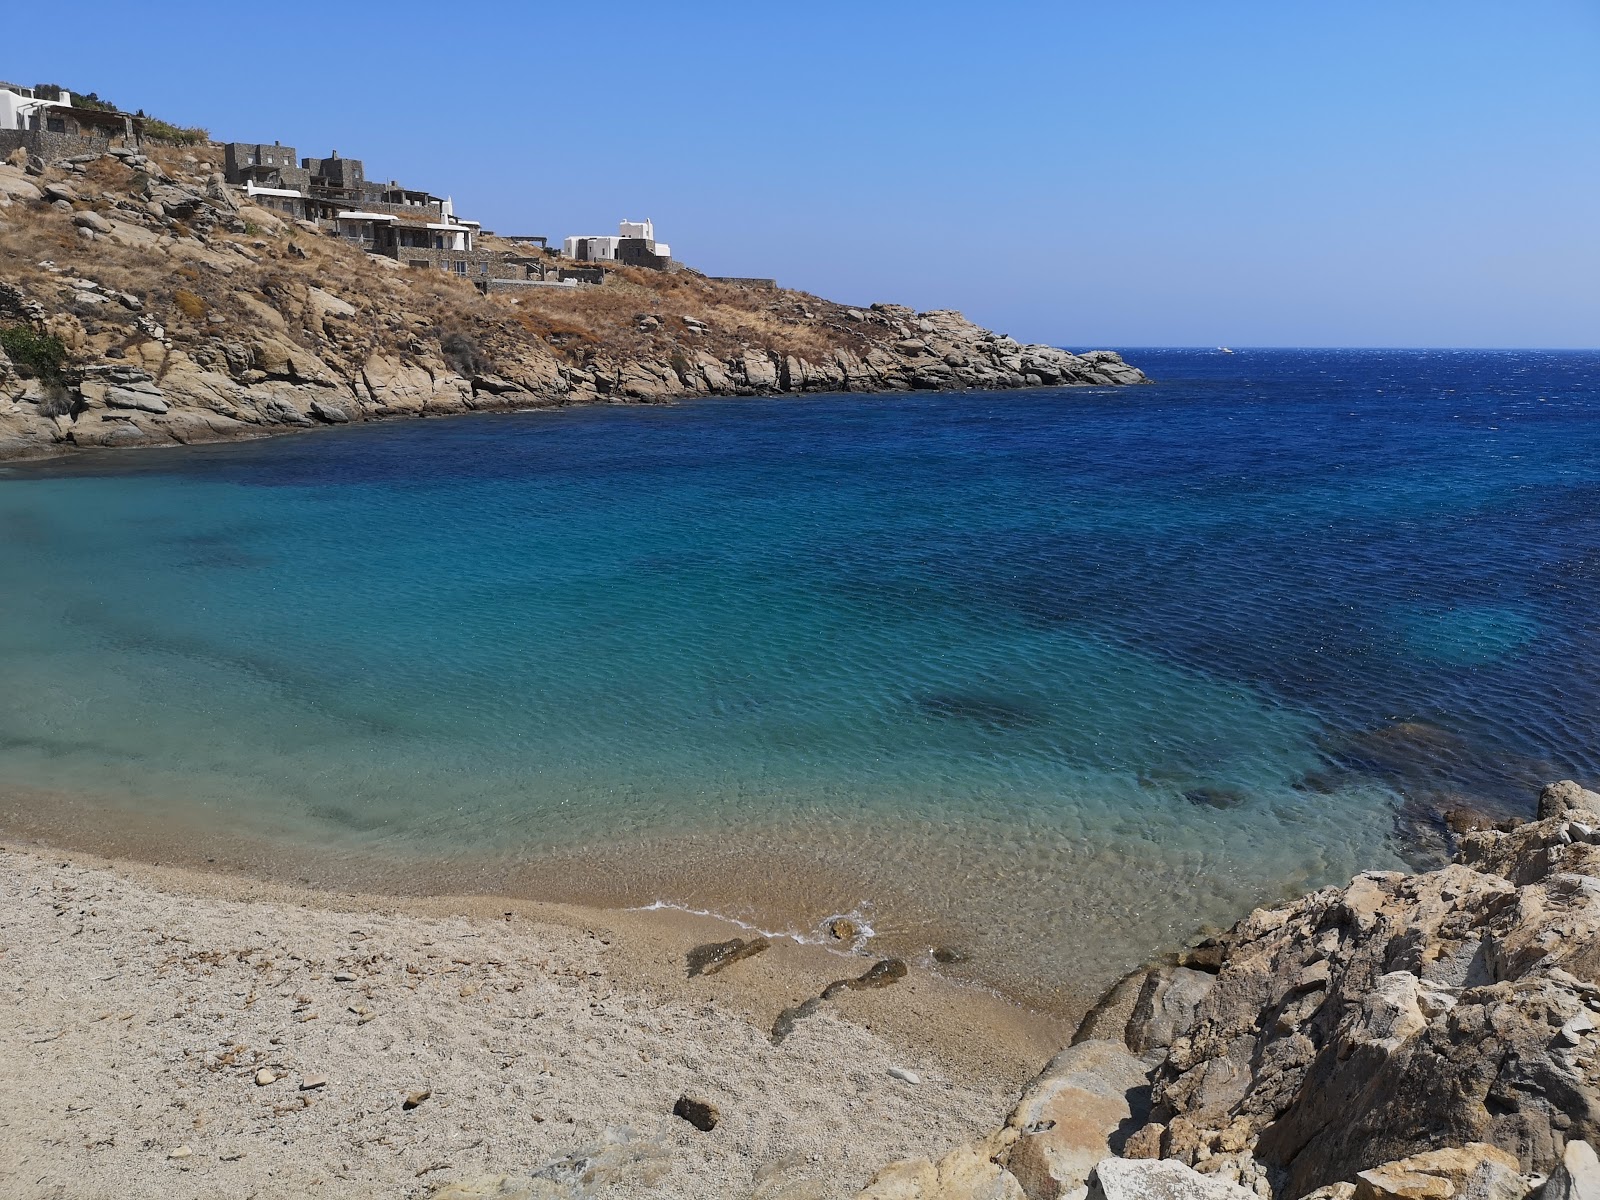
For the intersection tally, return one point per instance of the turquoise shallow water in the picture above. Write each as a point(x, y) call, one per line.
point(1057, 676)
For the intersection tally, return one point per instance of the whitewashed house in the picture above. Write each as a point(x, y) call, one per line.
point(633, 245)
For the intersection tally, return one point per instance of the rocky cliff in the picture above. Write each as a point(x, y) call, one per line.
point(1407, 1036)
point(144, 302)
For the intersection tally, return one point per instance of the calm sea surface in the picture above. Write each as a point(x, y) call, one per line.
point(1055, 677)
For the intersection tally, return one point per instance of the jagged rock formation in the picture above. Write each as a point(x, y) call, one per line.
point(1418, 1036)
point(183, 314)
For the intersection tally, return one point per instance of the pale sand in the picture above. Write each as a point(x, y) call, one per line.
point(137, 1005)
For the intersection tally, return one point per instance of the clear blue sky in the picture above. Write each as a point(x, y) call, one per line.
point(1118, 173)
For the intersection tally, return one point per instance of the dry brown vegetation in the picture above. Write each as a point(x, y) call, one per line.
point(209, 290)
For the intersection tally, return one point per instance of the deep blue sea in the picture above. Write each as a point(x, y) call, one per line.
point(1056, 677)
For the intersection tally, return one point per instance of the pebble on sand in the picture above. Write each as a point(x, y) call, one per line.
point(905, 1076)
point(416, 1098)
point(311, 1082)
point(702, 1114)
point(264, 1077)
point(181, 1152)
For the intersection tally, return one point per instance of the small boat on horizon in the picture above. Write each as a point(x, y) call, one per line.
point(1223, 350)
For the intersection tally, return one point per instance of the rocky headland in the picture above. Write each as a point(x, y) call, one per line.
point(146, 302)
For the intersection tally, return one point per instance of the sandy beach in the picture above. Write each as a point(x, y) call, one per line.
point(171, 1033)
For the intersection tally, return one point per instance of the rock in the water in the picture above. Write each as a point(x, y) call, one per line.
point(1472, 1172)
point(842, 929)
point(1163, 1179)
point(702, 1114)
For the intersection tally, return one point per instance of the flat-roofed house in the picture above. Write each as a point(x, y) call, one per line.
point(634, 245)
point(46, 122)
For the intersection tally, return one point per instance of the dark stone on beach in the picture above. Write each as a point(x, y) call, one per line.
point(879, 975)
point(714, 956)
point(702, 1114)
point(1216, 797)
point(948, 955)
point(792, 1016)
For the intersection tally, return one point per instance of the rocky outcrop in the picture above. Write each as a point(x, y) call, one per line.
point(239, 328)
point(1403, 1013)
point(1408, 1037)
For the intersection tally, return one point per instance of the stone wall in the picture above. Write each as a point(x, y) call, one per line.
point(53, 146)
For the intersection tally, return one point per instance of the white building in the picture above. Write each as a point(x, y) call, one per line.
point(18, 105)
point(602, 248)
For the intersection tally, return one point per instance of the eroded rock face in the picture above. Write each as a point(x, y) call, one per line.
point(1362, 1025)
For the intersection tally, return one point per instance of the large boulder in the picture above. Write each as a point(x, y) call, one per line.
point(968, 1173)
point(1151, 1179)
point(1471, 1172)
point(1074, 1115)
point(1577, 1177)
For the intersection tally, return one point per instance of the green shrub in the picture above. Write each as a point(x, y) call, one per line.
point(161, 131)
point(40, 355)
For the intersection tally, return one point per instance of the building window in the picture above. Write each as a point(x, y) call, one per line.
point(55, 125)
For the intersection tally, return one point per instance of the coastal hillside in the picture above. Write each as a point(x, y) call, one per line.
point(145, 301)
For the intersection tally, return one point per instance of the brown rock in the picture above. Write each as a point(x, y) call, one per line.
point(702, 1114)
point(714, 956)
point(1071, 1116)
point(415, 1098)
point(1473, 1172)
point(879, 975)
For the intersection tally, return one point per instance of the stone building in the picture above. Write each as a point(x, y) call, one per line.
point(51, 127)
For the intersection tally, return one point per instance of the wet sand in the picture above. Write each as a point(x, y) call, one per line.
point(780, 882)
point(142, 1002)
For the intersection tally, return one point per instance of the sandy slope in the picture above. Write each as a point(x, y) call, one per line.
point(137, 1008)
